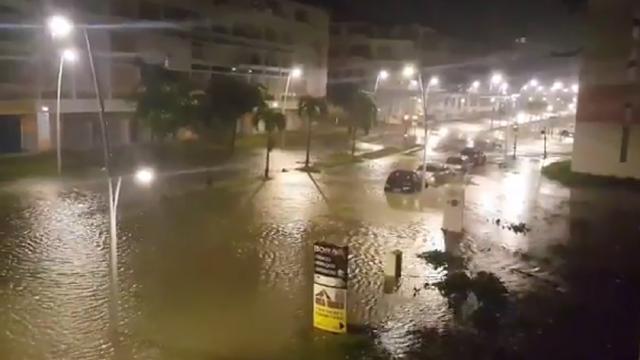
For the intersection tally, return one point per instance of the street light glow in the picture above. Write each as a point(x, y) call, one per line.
point(557, 85)
point(145, 176)
point(434, 81)
point(575, 88)
point(496, 78)
point(70, 55)
point(296, 72)
point(533, 82)
point(384, 74)
point(408, 71)
point(476, 84)
point(59, 26)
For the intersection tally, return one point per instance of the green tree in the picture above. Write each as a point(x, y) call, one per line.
point(312, 109)
point(165, 101)
point(272, 120)
point(225, 101)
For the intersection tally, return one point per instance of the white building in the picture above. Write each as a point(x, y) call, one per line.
point(607, 137)
point(257, 40)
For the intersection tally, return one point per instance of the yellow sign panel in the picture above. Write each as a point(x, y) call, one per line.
point(330, 308)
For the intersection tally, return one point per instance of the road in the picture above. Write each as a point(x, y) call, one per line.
point(218, 264)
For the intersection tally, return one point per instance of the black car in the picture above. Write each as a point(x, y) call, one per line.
point(476, 156)
point(405, 181)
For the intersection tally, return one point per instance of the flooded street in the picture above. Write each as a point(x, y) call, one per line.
point(219, 265)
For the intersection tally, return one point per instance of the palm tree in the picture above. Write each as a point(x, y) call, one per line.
point(272, 120)
point(361, 111)
point(313, 109)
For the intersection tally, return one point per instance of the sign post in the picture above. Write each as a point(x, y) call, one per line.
point(330, 287)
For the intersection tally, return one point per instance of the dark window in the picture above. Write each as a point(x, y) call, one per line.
point(220, 2)
point(384, 52)
point(301, 16)
point(149, 11)
point(178, 14)
point(360, 51)
point(197, 51)
point(270, 35)
point(220, 29)
point(255, 59)
point(275, 7)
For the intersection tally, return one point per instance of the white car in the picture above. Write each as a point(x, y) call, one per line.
point(460, 164)
point(437, 173)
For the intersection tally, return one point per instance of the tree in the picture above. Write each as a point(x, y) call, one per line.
point(272, 120)
point(362, 112)
point(165, 101)
point(313, 109)
point(226, 100)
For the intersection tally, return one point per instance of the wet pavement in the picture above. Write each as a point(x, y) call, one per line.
point(217, 264)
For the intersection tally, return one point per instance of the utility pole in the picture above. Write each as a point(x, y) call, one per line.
point(544, 137)
point(515, 140)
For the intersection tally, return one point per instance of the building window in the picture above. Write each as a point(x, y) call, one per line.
point(275, 7)
point(384, 52)
point(360, 51)
point(301, 16)
point(270, 35)
point(178, 14)
point(220, 2)
point(149, 11)
point(197, 50)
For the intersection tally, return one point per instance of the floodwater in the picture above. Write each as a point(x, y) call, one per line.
point(219, 265)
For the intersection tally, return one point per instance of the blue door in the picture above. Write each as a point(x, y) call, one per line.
point(10, 134)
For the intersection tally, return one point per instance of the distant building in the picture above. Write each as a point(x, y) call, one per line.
point(360, 51)
point(257, 40)
point(607, 138)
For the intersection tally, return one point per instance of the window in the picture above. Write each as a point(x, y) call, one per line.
point(246, 30)
point(220, 2)
point(220, 29)
point(270, 35)
point(360, 51)
point(178, 14)
point(301, 16)
point(149, 11)
point(275, 7)
point(384, 52)
point(197, 50)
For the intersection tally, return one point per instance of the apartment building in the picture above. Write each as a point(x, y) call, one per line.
point(260, 41)
point(607, 136)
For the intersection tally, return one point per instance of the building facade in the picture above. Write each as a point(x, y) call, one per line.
point(607, 137)
point(260, 41)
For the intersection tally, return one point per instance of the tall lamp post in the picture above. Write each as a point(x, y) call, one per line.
point(382, 76)
point(60, 27)
point(294, 73)
point(409, 71)
point(71, 56)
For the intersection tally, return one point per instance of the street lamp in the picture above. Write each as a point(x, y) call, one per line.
point(533, 82)
point(71, 56)
point(382, 75)
point(294, 73)
point(408, 72)
point(575, 88)
point(59, 26)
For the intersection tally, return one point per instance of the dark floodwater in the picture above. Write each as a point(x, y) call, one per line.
point(224, 272)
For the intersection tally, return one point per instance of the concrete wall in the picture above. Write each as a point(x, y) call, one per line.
point(596, 150)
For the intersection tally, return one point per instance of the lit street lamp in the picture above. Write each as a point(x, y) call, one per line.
point(409, 71)
point(382, 75)
point(294, 73)
point(496, 79)
point(533, 82)
point(60, 27)
point(71, 56)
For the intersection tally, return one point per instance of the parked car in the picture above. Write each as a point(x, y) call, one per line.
point(476, 156)
point(459, 163)
point(437, 173)
point(405, 181)
point(566, 133)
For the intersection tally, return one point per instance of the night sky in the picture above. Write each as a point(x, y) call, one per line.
point(556, 22)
